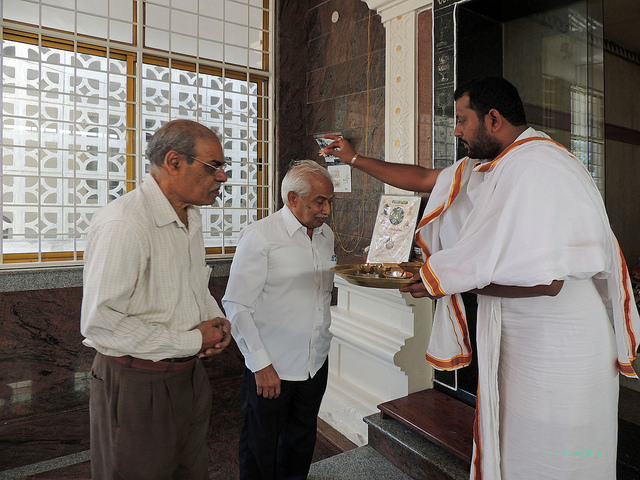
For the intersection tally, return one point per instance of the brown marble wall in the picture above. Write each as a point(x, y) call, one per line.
point(44, 367)
point(425, 89)
point(44, 382)
point(44, 376)
point(331, 79)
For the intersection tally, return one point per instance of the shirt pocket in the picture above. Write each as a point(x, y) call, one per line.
point(200, 286)
point(327, 274)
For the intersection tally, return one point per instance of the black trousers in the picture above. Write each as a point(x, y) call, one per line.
point(148, 425)
point(278, 436)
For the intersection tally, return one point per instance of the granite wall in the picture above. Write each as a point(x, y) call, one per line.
point(331, 78)
point(44, 382)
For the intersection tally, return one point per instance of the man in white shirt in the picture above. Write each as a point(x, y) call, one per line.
point(278, 299)
point(148, 312)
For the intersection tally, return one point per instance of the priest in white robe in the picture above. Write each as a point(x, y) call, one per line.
point(527, 230)
point(521, 223)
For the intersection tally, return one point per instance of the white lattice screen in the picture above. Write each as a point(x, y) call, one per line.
point(77, 112)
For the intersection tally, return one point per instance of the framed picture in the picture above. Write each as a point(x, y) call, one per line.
point(394, 229)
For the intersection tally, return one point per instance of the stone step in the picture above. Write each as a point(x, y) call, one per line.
point(410, 447)
point(438, 417)
point(362, 463)
point(411, 452)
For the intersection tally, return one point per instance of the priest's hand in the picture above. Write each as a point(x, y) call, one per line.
point(417, 289)
point(340, 148)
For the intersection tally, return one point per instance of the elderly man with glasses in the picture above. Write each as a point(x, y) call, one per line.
point(148, 313)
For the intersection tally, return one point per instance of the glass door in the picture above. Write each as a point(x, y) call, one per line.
point(556, 60)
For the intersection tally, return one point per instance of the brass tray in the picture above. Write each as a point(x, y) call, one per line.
point(378, 275)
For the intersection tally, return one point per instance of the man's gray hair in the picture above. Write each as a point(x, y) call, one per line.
point(179, 135)
point(299, 178)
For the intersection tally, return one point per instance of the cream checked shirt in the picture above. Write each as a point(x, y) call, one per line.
point(279, 294)
point(145, 279)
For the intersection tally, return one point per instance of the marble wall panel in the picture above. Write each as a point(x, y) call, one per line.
point(44, 382)
point(40, 437)
point(360, 116)
point(443, 82)
point(342, 90)
point(350, 14)
point(357, 75)
point(290, 86)
point(341, 42)
point(44, 366)
point(321, 119)
point(352, 222)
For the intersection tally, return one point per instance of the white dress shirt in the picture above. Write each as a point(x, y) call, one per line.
point(145, 278)
point(279, 294)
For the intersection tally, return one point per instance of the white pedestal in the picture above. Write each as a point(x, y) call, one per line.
point(380, 336)
point(377, 354)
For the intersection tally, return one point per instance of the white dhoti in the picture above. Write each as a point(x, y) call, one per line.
point(547, 366)
point(558, 387)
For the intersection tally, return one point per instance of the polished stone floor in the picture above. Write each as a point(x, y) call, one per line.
point(77, 466)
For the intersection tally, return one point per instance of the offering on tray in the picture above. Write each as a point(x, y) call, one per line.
point(379, 275)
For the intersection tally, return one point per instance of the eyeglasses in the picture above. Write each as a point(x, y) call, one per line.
point(218, 166)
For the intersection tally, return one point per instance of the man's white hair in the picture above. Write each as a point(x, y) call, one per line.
point(299, 178)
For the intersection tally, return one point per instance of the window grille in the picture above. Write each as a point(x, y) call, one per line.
point(84, 87)
point(587, 134)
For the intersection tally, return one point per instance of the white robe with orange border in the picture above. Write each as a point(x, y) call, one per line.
point(548, 384)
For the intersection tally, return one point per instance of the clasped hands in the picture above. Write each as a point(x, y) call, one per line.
point(216, 335)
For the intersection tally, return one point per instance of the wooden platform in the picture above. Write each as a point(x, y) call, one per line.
point(441, 419)
point(448, 423)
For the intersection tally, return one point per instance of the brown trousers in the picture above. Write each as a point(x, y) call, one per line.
point(148, 425)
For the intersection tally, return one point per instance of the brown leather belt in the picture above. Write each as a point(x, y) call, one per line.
point(166, 365)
